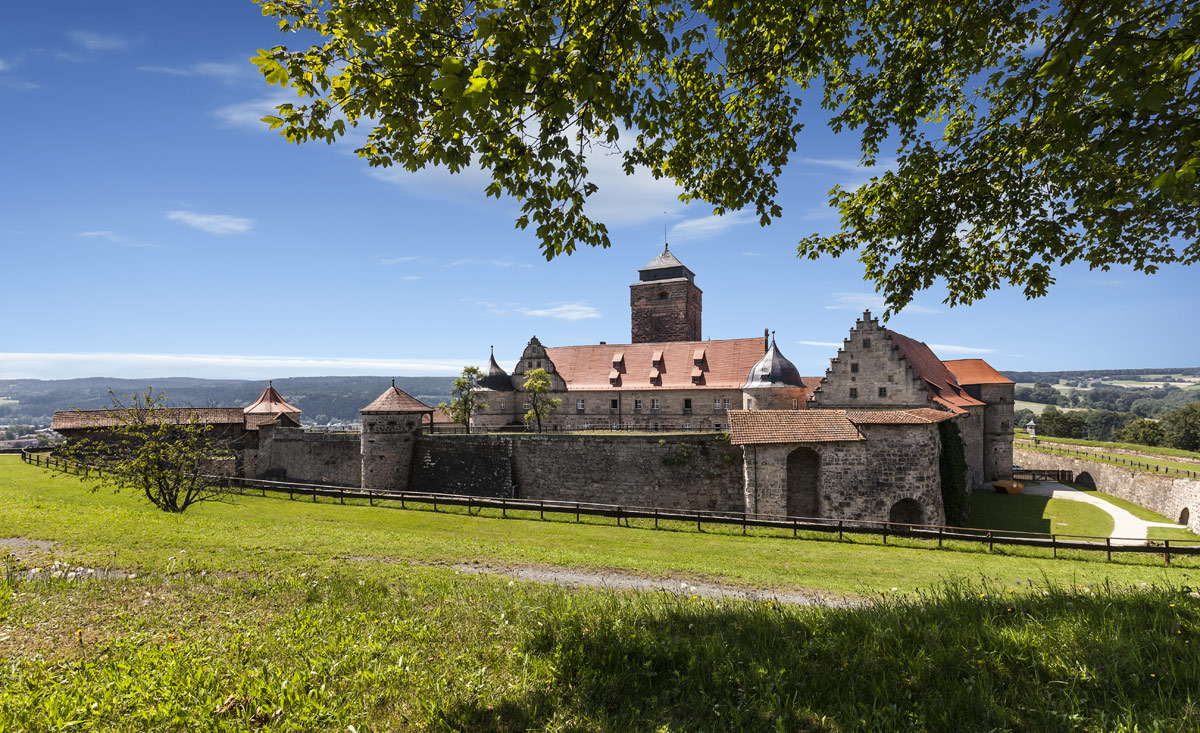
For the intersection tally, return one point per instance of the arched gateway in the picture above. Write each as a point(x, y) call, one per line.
point(803, 473)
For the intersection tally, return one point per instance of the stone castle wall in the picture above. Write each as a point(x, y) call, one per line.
point(292, 454)
point(867, 364)
point(1158, 493)
point(858, 480)
point(477, 465)
point(971, 427)
point(997, 430)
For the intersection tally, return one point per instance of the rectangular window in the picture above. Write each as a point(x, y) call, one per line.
point(579, 405)
point(726, 404)
point(612, 404)
point(687, 426)
point(883, 391)
point(637, 405)
point(866, 343)
point(716, 405)
point(502, 407)
point(528, 406)
point(796, 404)
point(654, 403)
point(687, 405)
point(854, 393)
point(854, 368)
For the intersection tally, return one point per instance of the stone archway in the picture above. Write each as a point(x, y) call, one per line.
point(803, 477)
point(906, 511)
point(1184, 516)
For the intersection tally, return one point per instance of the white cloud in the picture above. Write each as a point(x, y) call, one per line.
point(406, 258)
point(952, 349)
point(250, 113)
point(489, 263)
point(18, 85)
point(563, 311)
point(868, 301)
point(92, 41)
point(4, 65)
point(116, 238)
point(822, 344)
point(489, 306)
point(223, 72)
point(710, 226)
point(213, 366)
point(752, 254)
point(413, 277)
point(212, 223)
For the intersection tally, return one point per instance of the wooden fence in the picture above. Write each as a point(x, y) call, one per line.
point(619, 513)
point(1048, 447)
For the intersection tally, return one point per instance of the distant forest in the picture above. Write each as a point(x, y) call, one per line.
point(322, 399)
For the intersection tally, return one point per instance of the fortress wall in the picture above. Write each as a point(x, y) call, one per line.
point(293, 454)
point(1164, 494)
point(476, 465)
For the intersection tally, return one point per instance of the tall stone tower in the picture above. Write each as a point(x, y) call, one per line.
point(665, 302)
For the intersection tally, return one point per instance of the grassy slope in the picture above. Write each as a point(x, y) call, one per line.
point(1029, 513)
point(311, 642)
point(1144, 449)
point(277, 535)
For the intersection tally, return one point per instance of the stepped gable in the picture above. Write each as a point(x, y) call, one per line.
point(394, 399)
point(270, 402)
point(773, 370)
point(758, 427)
point(496, 379)
point(938, 380)
point(687, 365)
point(975, 371)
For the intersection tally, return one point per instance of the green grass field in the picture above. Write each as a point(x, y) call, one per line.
point(1147, 450)
point(287, 615)
point(1029, 513)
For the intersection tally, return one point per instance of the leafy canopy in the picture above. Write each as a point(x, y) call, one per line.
point(1026, 134)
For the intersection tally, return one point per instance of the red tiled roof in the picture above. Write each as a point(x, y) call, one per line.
point(588, 367)
point(82, 419)
point(757, 427)
point(272, 403)
point(258, 419)
point(975, 371)
point(395, 399)
point(914, 416)
point(939, 380)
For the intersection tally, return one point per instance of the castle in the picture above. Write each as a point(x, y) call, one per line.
point(861, 442)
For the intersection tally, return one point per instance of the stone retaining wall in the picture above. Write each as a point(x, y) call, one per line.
point(1157, 492)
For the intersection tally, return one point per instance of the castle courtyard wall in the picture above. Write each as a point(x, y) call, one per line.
point(293, 454)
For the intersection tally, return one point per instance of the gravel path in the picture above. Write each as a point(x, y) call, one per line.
point(1127, 528)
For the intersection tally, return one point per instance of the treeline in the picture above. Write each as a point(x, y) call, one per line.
point(1056, 377)
point(1178, 428)
point(1139, 401)
point(322, 399)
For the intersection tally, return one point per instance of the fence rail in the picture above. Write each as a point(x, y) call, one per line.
point(746, 520)
point(1043, 474)
point(1048, 447)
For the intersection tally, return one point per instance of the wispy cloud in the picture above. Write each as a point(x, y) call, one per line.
point(752, 254)
point(563, 311)
point(822, 344)
point(249, 114)
point(4, 65)
point(116, 238)
point(952, 349)
point(487, 305)
point(850, 165)
point(868, 301)
point(96, 42)
point(220, 224)
point(19, 85)
point(709, 226)
point(413, 277)
point(488, 263)
point(223, 72)
point(405, 258)
point(215, 366)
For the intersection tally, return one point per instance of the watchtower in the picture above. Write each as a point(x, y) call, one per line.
point(665, 302)
point(390, 426)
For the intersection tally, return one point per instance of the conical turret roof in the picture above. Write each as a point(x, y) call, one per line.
point(395, 399)
point(773, 370)
point(666, 259)
point(496, 379)
point(272, 403)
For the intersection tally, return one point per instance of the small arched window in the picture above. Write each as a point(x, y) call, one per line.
point(663, 295)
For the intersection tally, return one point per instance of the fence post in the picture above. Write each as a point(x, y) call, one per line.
point(618, 515)
point(939, 537)
point(656, 517)
point(468, 506)
point(313, 489)
point(1108, 547)
point(698, 522)
point(542, 510)
point(839, 530)
point(793, 529)
point(743, 524)
point(990, 543)
point(885, 530)
point(1054, 544)
point(1167, 553)
point(577, 512)
point(341, 495)
point(504, 508)
point(402, 506)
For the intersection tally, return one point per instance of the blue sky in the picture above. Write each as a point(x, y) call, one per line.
point(153, 227)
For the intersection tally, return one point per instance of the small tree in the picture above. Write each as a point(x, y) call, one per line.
point(466, 400)
point(537, 386)
point(166, 453)
point(1183, 427)
point(1144, 432)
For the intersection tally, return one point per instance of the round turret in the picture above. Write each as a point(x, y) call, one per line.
point(774, 383)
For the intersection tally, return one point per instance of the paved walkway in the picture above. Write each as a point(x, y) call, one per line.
point(1127, 528)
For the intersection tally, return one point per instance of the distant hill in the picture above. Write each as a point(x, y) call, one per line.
point(1054, 377)
point(323, 399)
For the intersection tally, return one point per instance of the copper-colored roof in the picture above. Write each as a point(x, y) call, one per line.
point(727, 364)
point(271, 402)
point(258, 419)
point(757, 427)
point(939, 380)
point(975, 371)
point(913, 416)
point(395, 399)
point(83, 419)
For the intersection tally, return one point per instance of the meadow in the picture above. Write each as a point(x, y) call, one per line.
point(287, 615)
